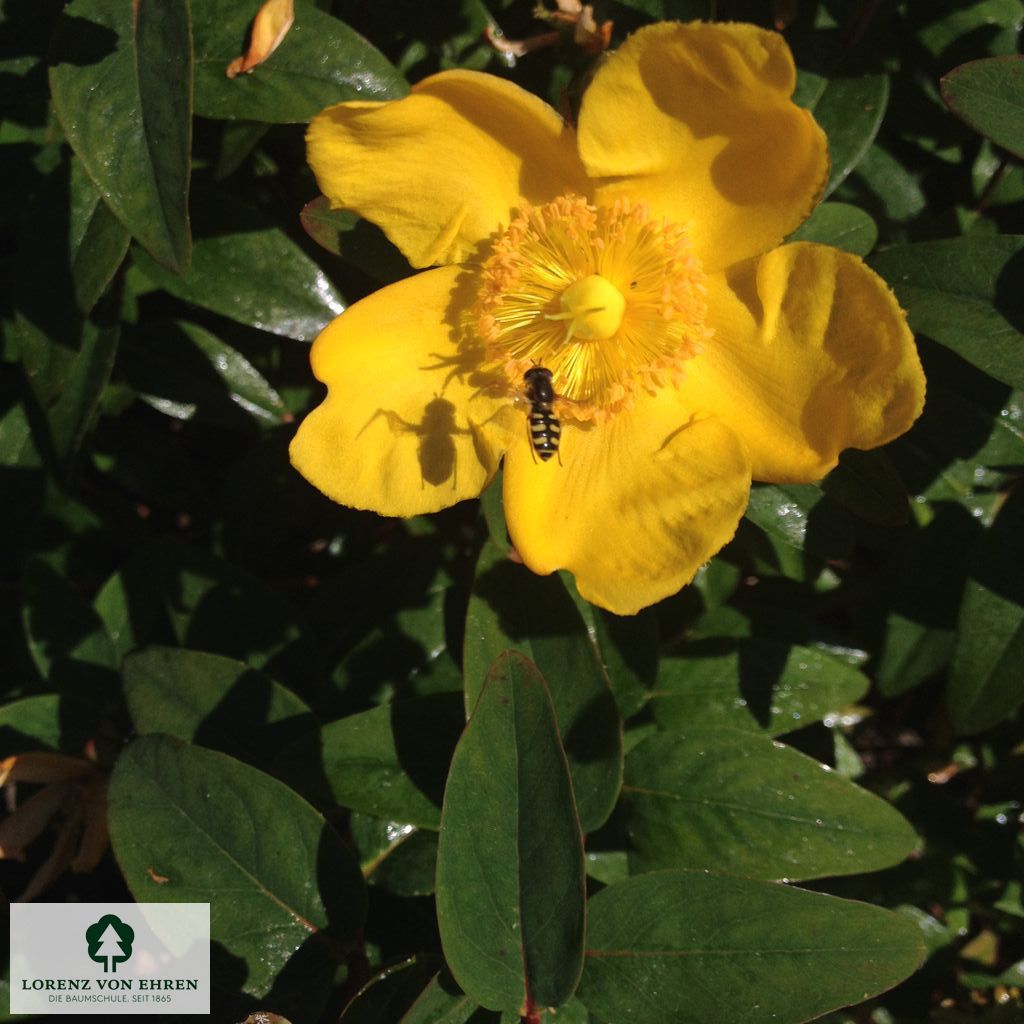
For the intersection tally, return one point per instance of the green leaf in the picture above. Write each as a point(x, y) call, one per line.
point(214, 701)
point(184, 371)
point(850, 111)
point(989, 95)
point(319, 62)
point(961, 292)
point(193, 825)
point(510, 878)
point(71, 416)
point(411, 992)
point(803, 525)
point(209, 605)
point(98, 241)
point(846, 227)
point(390, 761)
point(732, 801)
point(400, 858)
point(121, 79)
point(867, 484)
point(680, 947)
point(512, 609)
point(32, 723)
point(355, 240)
point(246, 269)
point(753, 684)
point(985, 675)
point(628, 648)
point(924, 586)
point(59, 623)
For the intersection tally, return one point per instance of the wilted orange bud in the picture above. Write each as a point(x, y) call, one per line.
point(269, 28)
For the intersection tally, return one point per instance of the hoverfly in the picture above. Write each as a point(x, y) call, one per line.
point(545, 429)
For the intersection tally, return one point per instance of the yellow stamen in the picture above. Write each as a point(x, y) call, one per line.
point(606, 298)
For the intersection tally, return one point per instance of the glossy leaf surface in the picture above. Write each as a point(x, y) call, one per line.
point(413, 993)
point(989, 95)
point(755, 684)
point(276, 874)
point(510, 893)
point(320, 61)
point(850, 111)
point(252, 272)
point(736, 951)
point(511, 608)
point(730, 801)
point(839, 224)
point(213, 701)
point(962, 293)
point(986, 682)
point(391, 761)
point(121, 80)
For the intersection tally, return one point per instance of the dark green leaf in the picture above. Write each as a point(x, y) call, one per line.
point(985, 677)
point(850, 111)
point(213, 701)
point(412, 992)
point(989, 95)
point(246, 269)
point(868, 485)
point(846, 227)
point(628, 648)
point(680, 947)
point(209, 605)
point(355, 240)
point(390, 761)
point(729, 800)
point(121, 81)
point(186, 372)
point(59, 622)
point(510, 879)
point(71, 416)
point(758, 685)
point(32, 723)
point(98, 241)
point(803, 525)
point(512, 609)
point(963, 293)
point(319, 62)
point(894, 187)
point(193, 825)
point(397, 857)
point(924, 588)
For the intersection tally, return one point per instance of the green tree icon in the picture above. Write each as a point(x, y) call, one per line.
point(110, 942)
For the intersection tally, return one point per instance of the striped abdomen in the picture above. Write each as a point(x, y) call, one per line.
point(545, 431)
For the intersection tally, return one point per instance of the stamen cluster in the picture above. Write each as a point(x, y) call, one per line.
point(521, 315)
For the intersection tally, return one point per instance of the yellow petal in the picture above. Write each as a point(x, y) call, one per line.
point(811, 354)
point(441, 170)
point(407, 425)
point(636, 506)
point(270, 26)
point(697, 121)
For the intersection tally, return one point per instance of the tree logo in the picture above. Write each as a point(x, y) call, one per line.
point(110, 942)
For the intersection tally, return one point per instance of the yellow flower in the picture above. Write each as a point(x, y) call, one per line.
point(635, 258)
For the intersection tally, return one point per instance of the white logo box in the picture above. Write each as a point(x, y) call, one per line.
point(112, 958)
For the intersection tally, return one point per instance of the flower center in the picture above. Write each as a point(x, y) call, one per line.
point(593, 307)
point(606, 298)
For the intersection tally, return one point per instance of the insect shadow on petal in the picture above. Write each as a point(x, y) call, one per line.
point(436, 451)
